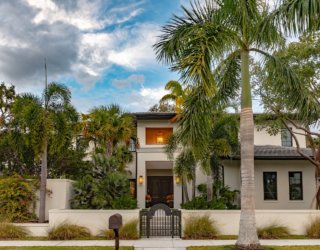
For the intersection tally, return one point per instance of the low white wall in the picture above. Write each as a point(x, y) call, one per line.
point(35, 229)
point(94, 220)
point(227, 221)
point(59, 194)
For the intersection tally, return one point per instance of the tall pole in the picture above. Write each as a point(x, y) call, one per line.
point(44, 168)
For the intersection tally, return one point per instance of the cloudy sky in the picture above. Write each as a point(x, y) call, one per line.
point(101, 49)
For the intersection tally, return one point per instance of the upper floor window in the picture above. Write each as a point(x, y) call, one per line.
point(286, 138)
point(270, 185)
point(132, 145)
point(157, 135)
point(295, 186)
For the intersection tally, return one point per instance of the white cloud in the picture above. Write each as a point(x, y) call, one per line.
point(145, 98)
point(137, 51)
point(128, 82)
point(87, 17)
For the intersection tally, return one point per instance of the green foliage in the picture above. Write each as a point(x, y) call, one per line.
point(67, 231)
point(106, 191)
point(200, 227)
point(129, 231)
point(17, 196)
point(313, 229)
point(273, 231)
point(124, 202)
point(12, 232)
point(223, 198)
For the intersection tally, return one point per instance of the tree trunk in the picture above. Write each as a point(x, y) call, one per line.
point(209, 186)
point(247, 238)
point(43, 185)
point(194, 182)
point(185, 191)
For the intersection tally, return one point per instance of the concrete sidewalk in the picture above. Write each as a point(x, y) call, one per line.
point(156, 243)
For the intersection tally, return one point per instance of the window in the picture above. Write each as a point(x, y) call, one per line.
point(295, 186)
point(286, 138)
point(157, 135)
point(270, 185)
point(132, 145)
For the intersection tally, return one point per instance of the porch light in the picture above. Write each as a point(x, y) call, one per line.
point(140, 180)
point(177, 179)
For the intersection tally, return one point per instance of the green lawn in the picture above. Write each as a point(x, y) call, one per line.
point(64, 248)
point(266, 248)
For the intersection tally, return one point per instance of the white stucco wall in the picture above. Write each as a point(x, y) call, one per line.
point(227, 221)
point(35, 229)
point(94, 220)
point(282, 167)
point(59, 194)
point(262, 137)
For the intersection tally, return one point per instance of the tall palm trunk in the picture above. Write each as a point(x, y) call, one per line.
point(185, 190)
point(247, 229)
point(209, 186)
point(194, 182)
point(43, 184)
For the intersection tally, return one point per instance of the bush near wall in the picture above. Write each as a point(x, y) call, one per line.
point(223, 198)
point(17, 197)
point(110, 191)
point(313, 230)
point(67, 231)
point(273, 231)
point(12, 232)
point(129, 231)
point(200, 227)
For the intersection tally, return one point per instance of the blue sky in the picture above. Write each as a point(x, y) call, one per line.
point(101, 49)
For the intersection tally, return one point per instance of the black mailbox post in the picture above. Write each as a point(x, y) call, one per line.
point(115, 222)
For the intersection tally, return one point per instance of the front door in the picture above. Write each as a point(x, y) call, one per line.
point(160, 188)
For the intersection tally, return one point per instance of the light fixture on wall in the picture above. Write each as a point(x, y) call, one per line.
point(140, 180)
point(177, 179)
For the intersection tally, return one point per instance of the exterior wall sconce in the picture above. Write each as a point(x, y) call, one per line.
point(140, 180)
point(177, 179)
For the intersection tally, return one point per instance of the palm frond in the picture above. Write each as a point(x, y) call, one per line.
point(228, 78)
point(297, 16)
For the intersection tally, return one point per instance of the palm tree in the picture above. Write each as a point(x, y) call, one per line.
point(177, 94)
point(223, 35)
point(108, 127)
point(40, 120)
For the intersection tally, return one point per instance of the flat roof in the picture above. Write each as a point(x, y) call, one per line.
point(154, 115)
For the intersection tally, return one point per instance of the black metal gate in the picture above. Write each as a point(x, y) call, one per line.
point(160, 220)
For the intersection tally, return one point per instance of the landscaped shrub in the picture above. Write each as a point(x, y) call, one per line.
point(124, 202)
point(11, 232)
point(200, 227)
point(67, 231)
point(313, 229)
point(110, 191)
point(223, 198)
point(17, 196)
point(129, 231)
point(273, 231)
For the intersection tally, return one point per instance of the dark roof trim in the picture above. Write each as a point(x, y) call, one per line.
point(270, 152)
point(154, 115)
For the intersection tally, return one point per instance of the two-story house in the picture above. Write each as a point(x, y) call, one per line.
point(283, 179)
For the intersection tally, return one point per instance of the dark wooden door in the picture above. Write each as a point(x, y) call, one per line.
point(160, 188)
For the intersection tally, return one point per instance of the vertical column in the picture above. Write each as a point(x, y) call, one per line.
point(177, 192)
point(141, 187)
